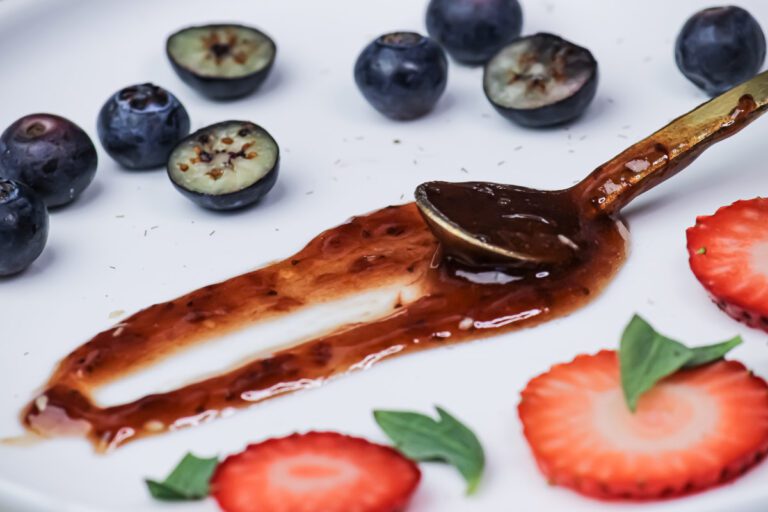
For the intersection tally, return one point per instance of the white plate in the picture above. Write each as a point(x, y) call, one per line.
point(339, 159)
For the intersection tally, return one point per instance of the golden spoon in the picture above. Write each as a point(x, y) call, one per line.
point(481, 223)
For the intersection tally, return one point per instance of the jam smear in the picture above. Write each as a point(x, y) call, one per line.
point(446, 304)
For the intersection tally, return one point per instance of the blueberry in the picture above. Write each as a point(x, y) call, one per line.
point(140, 125)
point(225, 166)
point(720, 47)
point(402, 74)
point(23, 226)
point(472, 31)
point(51, 154)
point(221, 61)
point(541, 80)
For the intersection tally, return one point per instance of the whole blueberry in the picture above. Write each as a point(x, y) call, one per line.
point(402, 74)
point(472, 31)
point(140, 125)
point(720, 47)
point(49, 153)
point(23, 226)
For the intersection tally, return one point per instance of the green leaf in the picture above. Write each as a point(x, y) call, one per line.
point(160, 491)
point(646, 357)
point(188, 481)
point(422, 438)
point(710, 353)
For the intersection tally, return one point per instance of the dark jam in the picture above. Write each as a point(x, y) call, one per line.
point(543, 227)
point(387, 247)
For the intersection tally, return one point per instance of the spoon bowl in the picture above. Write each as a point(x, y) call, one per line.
point(490, 224)
point(531, 227)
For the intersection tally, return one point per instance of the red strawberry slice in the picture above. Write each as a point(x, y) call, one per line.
point(729, 256)
point(315, 472)
point(694, 429)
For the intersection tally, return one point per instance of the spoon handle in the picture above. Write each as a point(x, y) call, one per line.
point(668, 151)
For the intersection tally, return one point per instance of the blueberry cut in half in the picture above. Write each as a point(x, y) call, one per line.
point(719, 48)
point(225, 166)
point(221, 61)
point(541, 80)
point(140, 125)
point(23, 226)
point(472, 31)
point(49, 153)
point(402, 74)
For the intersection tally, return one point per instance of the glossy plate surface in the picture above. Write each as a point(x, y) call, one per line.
point(131, 240)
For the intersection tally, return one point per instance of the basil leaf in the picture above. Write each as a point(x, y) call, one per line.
point(646, 357)
point(710, 353)
point(160, 492)
point(422, 438)
point(188, 481)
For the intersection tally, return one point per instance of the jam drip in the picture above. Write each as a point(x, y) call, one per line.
point(446, 304)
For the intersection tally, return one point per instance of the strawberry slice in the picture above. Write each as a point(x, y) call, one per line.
point(729, 256)
point(694, 429)
point(315, 472)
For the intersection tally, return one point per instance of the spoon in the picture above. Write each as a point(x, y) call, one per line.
point(491, 224)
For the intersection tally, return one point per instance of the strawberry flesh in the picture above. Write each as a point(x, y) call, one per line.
point(693, 430)
point(315, 472)
point(728, 253)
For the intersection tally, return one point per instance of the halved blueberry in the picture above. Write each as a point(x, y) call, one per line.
point(49, 153)
point(225, 166)
point(140, 125)
point(221, 61)
point(541, 80)
point(23, 226)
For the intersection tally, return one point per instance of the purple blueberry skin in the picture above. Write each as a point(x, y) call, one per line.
point(140, 125)
point(23, 226)
point(562, 112)
point(222, 88)
point(472, 31)
point(49, 153)
point(402, 74)
point(720, 47)
point(234, 200)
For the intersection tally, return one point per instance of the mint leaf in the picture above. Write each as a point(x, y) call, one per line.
point(161, 492)
point(188, 481)
point(646, 357)
point(710, 353)
point(422, 438)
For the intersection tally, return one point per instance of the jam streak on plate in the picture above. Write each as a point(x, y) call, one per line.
point(392, 246)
